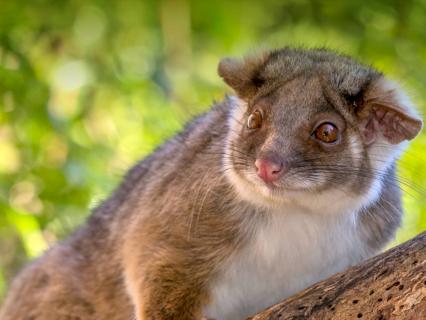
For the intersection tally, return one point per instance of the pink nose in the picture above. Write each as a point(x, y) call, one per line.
point(269, 170)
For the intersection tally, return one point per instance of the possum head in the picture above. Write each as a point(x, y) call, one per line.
point(312, 128)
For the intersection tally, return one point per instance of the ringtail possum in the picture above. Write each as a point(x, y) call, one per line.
point(283, 184)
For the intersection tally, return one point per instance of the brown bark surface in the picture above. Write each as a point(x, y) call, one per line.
point(391, 285)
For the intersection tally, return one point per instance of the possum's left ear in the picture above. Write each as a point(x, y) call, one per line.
point(387, 112)
point(243, 75)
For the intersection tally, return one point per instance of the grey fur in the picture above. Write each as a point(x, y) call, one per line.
point(178, 218)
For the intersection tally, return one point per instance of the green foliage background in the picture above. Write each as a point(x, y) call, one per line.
point(88, 87)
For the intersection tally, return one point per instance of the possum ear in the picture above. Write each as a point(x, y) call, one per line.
point(243, 75)
point(387, 112)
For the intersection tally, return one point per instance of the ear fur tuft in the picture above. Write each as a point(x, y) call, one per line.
point(243, 75)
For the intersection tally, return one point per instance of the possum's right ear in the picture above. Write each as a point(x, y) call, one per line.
point(243, 75)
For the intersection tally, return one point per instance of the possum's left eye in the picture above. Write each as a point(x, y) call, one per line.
point(326, 132)
point(254, 121)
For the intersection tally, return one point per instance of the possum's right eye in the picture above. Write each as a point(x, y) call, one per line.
point(326, 132)
point(254, 121)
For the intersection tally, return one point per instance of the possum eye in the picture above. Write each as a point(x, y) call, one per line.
point(326, 132)
point(254, 121)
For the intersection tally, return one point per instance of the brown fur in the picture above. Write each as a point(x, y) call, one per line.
point(154, 247)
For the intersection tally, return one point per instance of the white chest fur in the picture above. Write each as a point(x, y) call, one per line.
point(289, 253)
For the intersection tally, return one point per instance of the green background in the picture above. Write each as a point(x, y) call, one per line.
point(89, 87)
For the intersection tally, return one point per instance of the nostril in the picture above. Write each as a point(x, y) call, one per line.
point(276, 168)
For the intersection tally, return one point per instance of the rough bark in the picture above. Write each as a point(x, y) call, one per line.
point(391, 285)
